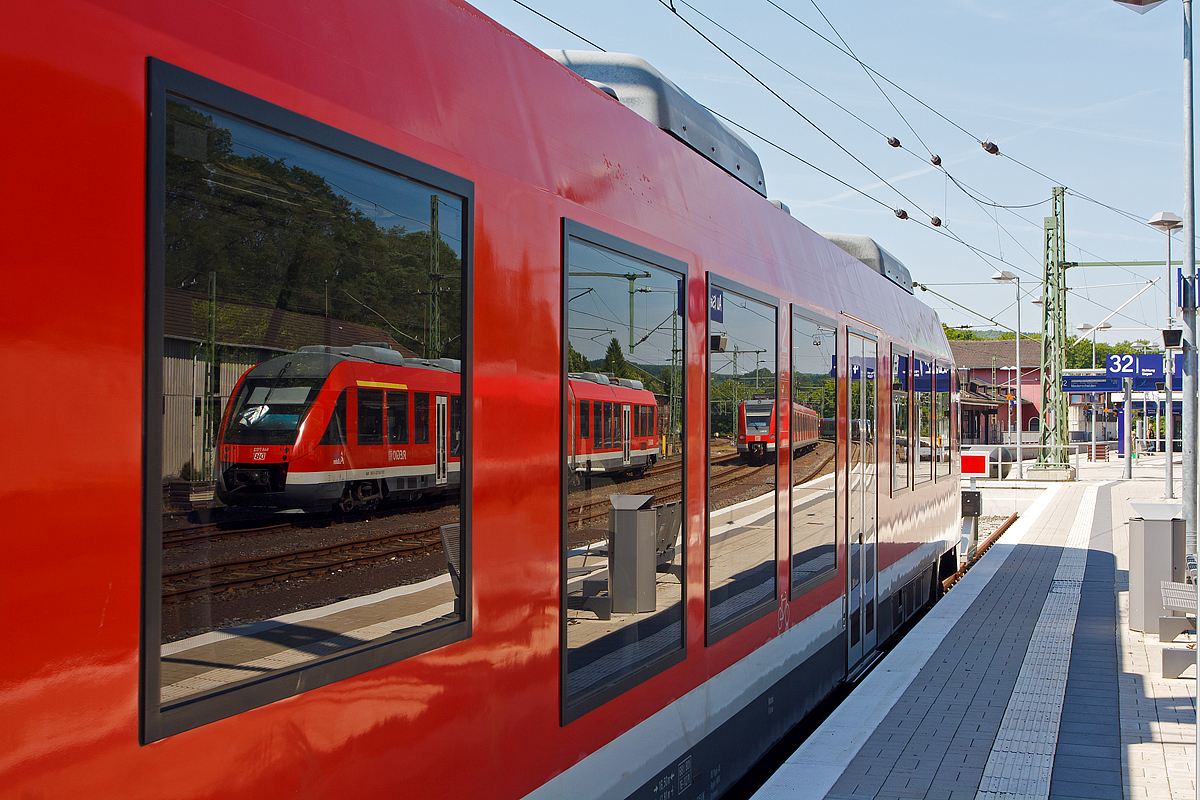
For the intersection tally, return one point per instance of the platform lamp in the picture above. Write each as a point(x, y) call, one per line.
point(1172, 341)
point(1004, 276)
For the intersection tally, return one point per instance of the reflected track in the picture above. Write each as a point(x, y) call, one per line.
point(219, 530)
point(582, 515)
point(245, 573)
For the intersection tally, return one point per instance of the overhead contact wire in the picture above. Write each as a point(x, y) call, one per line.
point(559, 25)
point(854, 55)
point(794, 110)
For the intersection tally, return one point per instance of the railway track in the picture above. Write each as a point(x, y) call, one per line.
point(245, 573)
point(815, 471)
point(580, 515)
point(245, 528)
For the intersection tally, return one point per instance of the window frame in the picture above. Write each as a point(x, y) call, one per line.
point(401, 416)
point(915, 477)
point(798, 590)
point(569, 712)
point(714, 634)
point(944, 451)
point(900, 352)
point(156, 720)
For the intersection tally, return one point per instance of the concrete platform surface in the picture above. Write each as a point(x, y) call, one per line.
point(1024, 681)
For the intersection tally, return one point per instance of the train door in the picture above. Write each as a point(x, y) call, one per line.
point(861, 527)
point(626, 438)
point(441, 430)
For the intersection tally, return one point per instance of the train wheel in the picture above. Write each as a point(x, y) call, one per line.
point(346, 504)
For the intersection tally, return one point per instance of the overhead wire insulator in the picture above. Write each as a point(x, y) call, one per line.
point(990, 147)
point(936, 160)
point(936, 221)
point(901, 213)
point(893, 141)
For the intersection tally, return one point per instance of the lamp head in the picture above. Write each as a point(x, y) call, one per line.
point(1166, 221)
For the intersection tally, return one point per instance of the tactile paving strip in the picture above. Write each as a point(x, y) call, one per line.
point(1022, 757)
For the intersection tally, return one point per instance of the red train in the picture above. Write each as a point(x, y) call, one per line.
point(756, 429)
point(614, 424)
point(341, 427)
point(280, 178)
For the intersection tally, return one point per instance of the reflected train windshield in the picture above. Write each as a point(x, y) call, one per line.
point(269, 411)
point(758, 415)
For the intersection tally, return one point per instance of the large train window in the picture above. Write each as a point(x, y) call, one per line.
point(742, 484)
point(623, 486)
point(900, 402)
point(943, 447)
point(813, 464)
point(302, 285)
point(923, 425)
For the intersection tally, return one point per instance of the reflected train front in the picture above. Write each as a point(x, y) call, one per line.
point(346, 428)
point(756, 429)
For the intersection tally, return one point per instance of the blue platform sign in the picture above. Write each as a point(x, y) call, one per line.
point(1090, 383)
point(1146, 370)
point(716, 304)
point(922, 375)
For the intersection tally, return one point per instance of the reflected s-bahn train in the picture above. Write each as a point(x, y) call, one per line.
point(298, 178)
point(614, 424)
point(346, 428)
point(756, 429)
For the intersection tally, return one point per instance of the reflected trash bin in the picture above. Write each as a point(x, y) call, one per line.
point(1156, 554)
point(632, 559)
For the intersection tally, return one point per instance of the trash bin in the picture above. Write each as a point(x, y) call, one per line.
point(1156, 554)
point(632, 562)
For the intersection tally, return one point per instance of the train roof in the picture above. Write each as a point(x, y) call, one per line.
point(651, 95)
point(316, 361)
point(607, 379)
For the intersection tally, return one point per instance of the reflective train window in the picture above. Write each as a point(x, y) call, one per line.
point(310, 310)
point(944, 451)
point(923, 425)
point(742, 419)
point(900, 403)
point(623, 474)
point(814, 484)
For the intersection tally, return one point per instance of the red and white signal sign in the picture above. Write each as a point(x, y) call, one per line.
point(974, 465)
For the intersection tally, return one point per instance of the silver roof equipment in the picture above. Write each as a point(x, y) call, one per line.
point(645, 91)
point(868, 251)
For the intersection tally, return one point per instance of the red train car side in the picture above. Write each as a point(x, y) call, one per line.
point(279, 183)
point(614, 424)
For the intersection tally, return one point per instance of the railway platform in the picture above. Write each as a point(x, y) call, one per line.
point(1025, 680)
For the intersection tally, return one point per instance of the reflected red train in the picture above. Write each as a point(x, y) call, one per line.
point(756, 429)
point(614, 423)
point(341, 427)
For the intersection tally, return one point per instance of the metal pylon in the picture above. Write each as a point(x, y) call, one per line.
point(1053, 439)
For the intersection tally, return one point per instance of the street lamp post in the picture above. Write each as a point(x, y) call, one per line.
point(1167, 222)
point(1005, 276)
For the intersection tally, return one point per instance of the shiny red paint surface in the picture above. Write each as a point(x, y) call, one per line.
point(437, 82)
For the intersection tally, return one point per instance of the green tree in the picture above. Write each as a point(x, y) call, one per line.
point(958, 334)
point(575, 360)
point(614, 361)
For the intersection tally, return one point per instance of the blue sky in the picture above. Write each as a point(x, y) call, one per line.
point(1085, 92)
